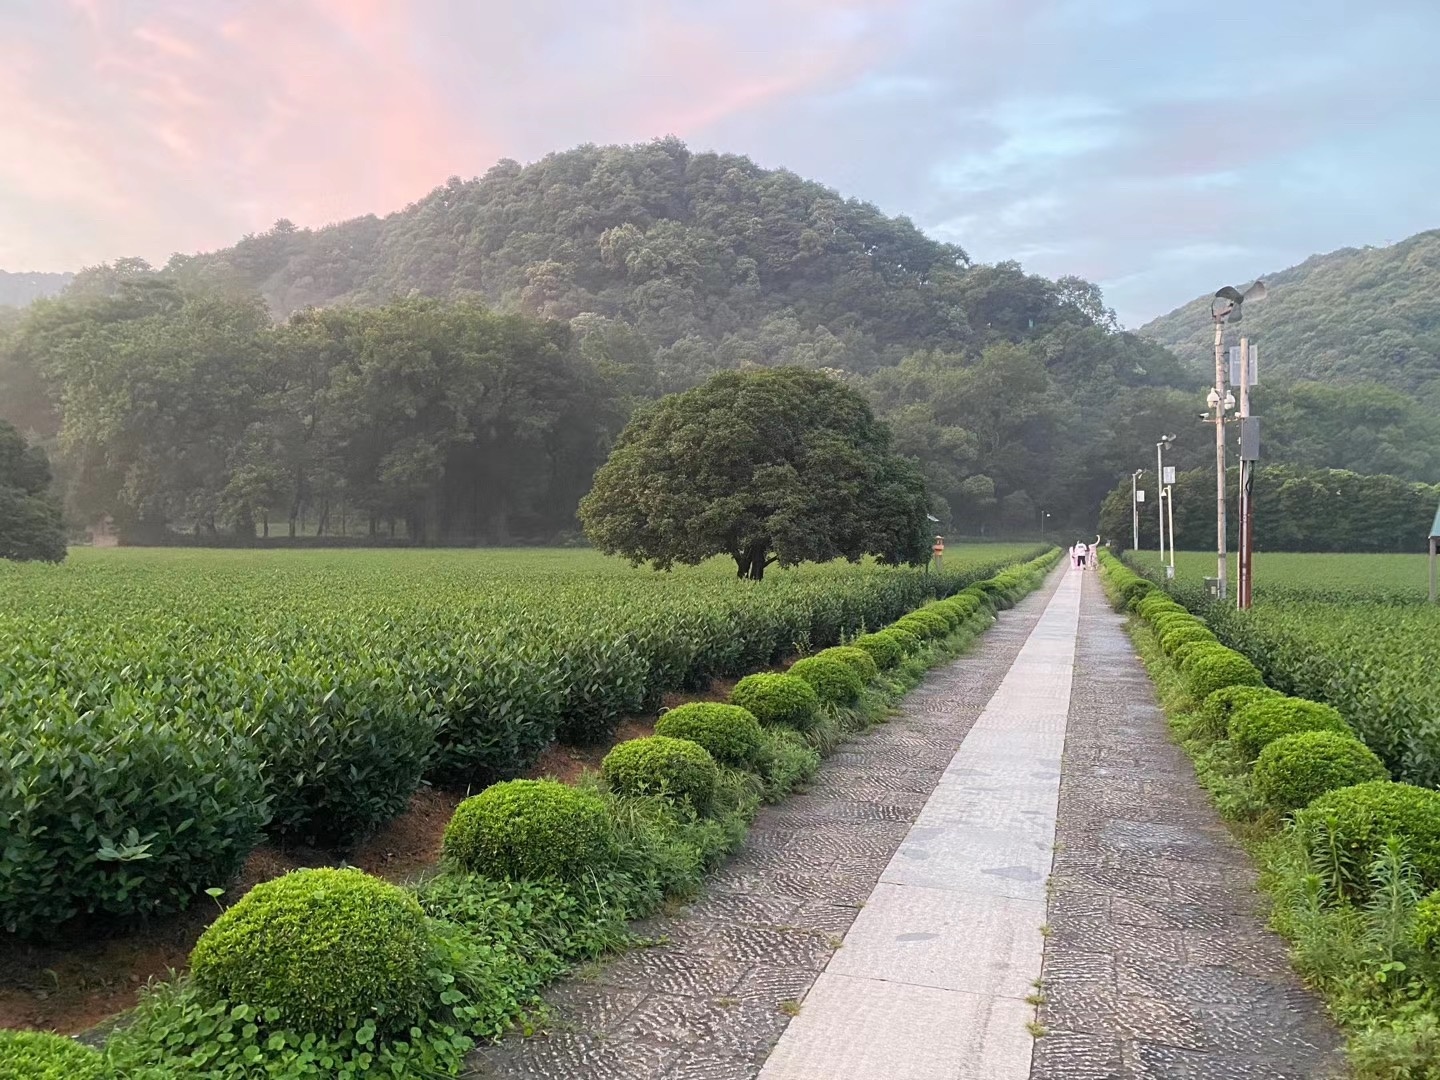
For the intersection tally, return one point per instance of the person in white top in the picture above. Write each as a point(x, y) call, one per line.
point(1081, 554)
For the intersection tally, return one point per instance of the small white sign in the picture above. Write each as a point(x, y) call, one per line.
point(1168, 476)
point(1140, 495)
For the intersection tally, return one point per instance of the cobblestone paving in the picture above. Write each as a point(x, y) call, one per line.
point(1158, 963)
point(710, 1003)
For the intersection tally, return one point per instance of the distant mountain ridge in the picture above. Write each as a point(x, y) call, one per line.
point(19, 289)
point(1367, 314)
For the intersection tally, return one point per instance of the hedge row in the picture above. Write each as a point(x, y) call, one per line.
point(1303, 759)
point(336, 973)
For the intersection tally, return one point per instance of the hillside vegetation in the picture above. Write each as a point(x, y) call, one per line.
point(1354, 315)
point(457, 370)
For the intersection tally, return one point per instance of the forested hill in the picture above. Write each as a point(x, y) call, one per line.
point(1367, 314)
point(713, 259)
point(17, 290)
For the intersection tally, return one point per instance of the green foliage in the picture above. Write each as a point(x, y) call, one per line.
point(327, 949)
point(1256, 724)
point(1209, 668)
point(909, 642)
point(529, 829)
point(677, 769)
point(1297, 508)
point(1353, 316)
point(1213, 718)
point(884, 647)
point(116, 808)
point(33, 1055)
point(730, 733)
point(924, 624)
point(30, 523)
point(786, 700)
point(765, 466)
point(834, 681)
point(1344, 830)
point(1427, 925)
point(858, 660)
point(785, 761)
point(1177, 635)
point(1293, 770)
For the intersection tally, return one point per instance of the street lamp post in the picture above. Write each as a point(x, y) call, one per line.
point(1227, 305)
point(1165, 440)
point(1043, 515)
point(1135, 509)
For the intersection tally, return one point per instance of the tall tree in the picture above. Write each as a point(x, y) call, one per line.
point(765, 466)
point(30, 523)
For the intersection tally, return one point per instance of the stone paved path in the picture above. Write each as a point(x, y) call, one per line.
point(710, 1004)
point(924, 845)
point(1158, 963)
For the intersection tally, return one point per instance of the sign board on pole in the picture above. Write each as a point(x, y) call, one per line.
point(1254, 365)
point(1168, 475)
point(1140, 495)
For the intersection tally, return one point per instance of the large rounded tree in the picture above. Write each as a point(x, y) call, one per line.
point(30, 524)
point(780, 465)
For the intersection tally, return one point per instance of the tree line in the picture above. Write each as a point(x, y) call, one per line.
point(1295, 510)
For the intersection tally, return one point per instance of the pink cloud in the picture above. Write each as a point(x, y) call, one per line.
point(172, 129)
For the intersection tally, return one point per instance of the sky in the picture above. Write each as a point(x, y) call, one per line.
point(1159, 147)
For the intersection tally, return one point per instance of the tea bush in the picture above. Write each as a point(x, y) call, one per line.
point(1294, 770)
point(730, 733)
point(325, 949)
point(677, 769)
point(910, 643)
point(529, 829)
point(119, 811)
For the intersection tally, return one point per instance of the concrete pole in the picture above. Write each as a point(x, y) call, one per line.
point(1134, 511)
point(1247, 508)
point(1434, 554)
point(1159, 498)
point(1221, 562)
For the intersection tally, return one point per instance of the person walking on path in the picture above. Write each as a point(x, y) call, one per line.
point(1081, 553)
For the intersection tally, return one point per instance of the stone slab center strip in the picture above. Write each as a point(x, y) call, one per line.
point(931, 981)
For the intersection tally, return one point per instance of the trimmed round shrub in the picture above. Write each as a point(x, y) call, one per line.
point(1344, 830)
point(835, 681)
point(783, 700)
point(1256, 725)
point(529, 829)
point(677, 769)
point(951, 615)
point(1175, 636)
point(859, 660)
point(924, 624)
point(326, 948)
point(1209, 667)
point(909, 642)
point(1155, 603)
point(1133, 591)
point(1173, 620)
point(731, 734)
point(883, 646)
point(36, 1055)
point(1219, 707)
point(1293, 770)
